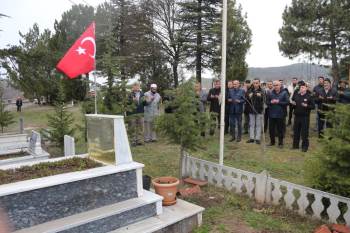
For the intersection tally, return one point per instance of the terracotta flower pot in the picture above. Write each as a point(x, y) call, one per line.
point(167, 188)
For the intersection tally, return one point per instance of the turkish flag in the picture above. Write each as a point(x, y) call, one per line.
point(80, 58)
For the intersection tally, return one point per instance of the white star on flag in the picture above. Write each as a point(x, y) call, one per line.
point(80, 50)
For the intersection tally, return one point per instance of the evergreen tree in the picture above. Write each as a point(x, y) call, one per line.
point(6, 117)
point(319, 28)
point(239, 37)
point(72, 24)
point(186, 123)
point(60, 122)
point(201, 19)
point(30, 66)
point(329, 170)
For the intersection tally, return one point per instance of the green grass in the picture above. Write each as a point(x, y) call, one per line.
point(225, 211)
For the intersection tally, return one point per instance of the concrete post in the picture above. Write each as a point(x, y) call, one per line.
point(69, 146)
point(21, 126)
point(260, 187)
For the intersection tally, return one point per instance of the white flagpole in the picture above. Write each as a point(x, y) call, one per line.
point(95, 93)
point(223, 81)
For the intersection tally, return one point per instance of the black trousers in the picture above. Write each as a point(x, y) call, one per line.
point(301, 129)
point(321, 123)
point(227, 121)
point(291, 110)
point(266, 119)
point(246, 122)
point(276, 129)
point(215, 122)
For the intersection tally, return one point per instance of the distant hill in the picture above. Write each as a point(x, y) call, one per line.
point(300, 70)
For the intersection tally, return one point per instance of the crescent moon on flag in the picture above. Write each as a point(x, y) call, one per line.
point(92, 40)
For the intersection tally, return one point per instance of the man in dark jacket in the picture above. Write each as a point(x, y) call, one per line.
point(247, 85)
point(277, 101)
point(19, 104)
point(343, 93)
point(316, 92)
point(213, 98)
point(326, 98)
point(303, 103)
point(255, 103)
point(269, 88)
point(235, 99)
point(136, 98)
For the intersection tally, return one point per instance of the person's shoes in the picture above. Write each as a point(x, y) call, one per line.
point(250, 141)
point(154, 140)
point(147, 141)
point(304, 150)
point(139, 143)
point(238, 140)
point(294, 148)
point(232, 139)
point(258, 142)
point(280, 146)
point(271, 144)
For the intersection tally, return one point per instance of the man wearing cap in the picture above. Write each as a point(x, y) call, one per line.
point(343, 93)
point(303, 104)
point(152, 101)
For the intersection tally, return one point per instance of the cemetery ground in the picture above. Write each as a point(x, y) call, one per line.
point(225, 211)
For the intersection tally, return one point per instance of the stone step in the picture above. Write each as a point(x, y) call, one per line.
point(104, 219)
point(182, 217)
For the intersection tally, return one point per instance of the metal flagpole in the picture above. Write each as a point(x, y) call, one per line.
point(223, 81)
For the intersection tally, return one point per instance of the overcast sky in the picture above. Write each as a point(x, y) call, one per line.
point(264, 19)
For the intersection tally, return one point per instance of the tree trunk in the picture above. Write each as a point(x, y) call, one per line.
point(199, 43)
point(335, 66)
point(176, 78)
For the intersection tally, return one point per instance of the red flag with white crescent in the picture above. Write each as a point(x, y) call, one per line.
point(80, 58)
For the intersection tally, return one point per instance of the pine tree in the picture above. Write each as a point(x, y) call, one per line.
point(186, 123)
point(239, 37)
point(201, 19)
point(60, 122)
point(319, 28)
point(329, 170)
point(6, 117)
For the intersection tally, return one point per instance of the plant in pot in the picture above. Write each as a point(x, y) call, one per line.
point(183, 124)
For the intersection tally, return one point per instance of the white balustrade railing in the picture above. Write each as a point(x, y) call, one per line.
point(265, 189)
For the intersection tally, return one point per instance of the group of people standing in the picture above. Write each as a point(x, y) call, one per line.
point(266, 106)
point(261, 106)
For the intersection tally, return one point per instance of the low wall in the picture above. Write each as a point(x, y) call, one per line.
point(36, 201)
point(264, 189)
point(13, 143)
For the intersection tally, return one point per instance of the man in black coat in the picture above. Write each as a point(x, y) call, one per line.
point(326, 98)
point(19, 104)
point(213, 98)
point(136, 99)
point(303, 103)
